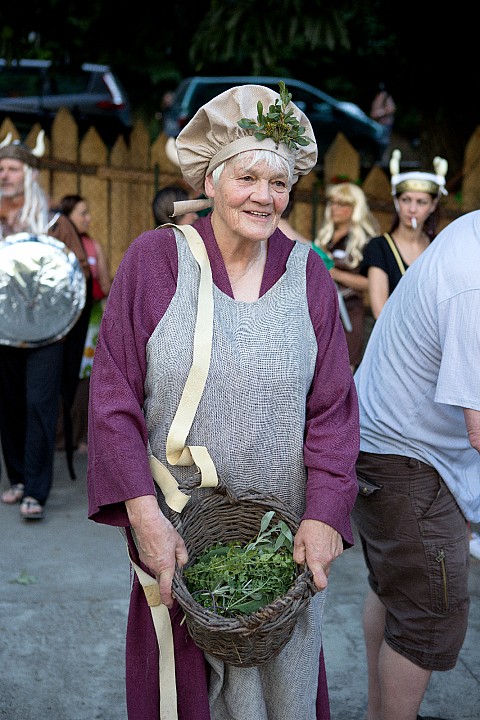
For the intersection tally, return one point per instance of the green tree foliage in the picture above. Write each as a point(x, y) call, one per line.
point(266, 37)
point(345, 47)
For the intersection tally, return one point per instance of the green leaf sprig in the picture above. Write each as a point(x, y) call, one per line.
point(24, 578)
point(233, 579)
point(279, 124)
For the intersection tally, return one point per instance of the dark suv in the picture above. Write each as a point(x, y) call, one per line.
point(327, 115)
point(34, 90)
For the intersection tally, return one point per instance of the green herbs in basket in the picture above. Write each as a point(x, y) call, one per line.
point(240, 579)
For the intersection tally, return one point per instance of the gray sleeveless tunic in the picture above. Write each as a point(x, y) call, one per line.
point(251, 418)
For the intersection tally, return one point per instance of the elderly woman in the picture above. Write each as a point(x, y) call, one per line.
point(277, 411)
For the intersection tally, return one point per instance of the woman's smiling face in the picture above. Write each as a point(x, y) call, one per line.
point(249, 198)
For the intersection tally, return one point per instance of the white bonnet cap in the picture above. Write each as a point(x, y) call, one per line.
point(214, 134)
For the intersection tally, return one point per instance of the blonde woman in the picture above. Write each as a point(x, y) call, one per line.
point(347, 227)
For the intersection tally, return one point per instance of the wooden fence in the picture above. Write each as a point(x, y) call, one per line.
point(119, 183)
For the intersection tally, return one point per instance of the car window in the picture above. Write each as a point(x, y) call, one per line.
point(28, 82)
point(22, 82)
point(322, 109)
point(308, 102)
point(97, 83)
point(64, 83)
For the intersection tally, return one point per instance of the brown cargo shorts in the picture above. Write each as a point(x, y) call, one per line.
point(415, 544)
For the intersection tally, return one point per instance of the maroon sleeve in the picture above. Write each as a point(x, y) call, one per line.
point(332, 437)
point(117, 460)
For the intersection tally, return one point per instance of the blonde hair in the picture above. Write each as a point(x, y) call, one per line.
point(363, 224)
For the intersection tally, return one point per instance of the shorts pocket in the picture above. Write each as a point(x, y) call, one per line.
point(447, 568)
point(366, 487)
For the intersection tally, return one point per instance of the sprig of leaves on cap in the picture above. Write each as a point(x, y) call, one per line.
point(279, 124)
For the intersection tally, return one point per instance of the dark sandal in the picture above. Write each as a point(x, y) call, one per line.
point(13, 495)
point(30, 509)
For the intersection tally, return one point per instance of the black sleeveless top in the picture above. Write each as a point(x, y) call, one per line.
point(377, 253)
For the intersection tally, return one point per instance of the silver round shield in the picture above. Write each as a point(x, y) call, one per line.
point(42, 290)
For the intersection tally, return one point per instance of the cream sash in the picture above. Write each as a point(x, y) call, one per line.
point(178, 453)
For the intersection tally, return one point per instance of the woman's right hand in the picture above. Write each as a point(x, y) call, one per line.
point(160, 547)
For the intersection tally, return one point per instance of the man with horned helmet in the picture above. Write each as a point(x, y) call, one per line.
point(30, 377)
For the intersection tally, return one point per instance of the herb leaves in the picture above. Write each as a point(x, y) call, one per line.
point(278, 123)
point(240, 579)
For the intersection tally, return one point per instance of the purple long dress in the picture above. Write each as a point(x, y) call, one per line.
point(118, 466)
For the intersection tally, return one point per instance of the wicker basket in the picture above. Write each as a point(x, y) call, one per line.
point(245, 640)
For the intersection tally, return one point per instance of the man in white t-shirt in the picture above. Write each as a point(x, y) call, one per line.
point(419, 469)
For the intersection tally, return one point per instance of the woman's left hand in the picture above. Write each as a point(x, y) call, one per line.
point(317, 544)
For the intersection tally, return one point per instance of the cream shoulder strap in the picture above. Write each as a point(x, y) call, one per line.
point(177, 452)
point(163, 630)
point(395, 252)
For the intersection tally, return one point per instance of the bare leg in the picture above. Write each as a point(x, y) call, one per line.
point(373, 626)
point(395, 685)
point(403, 685)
